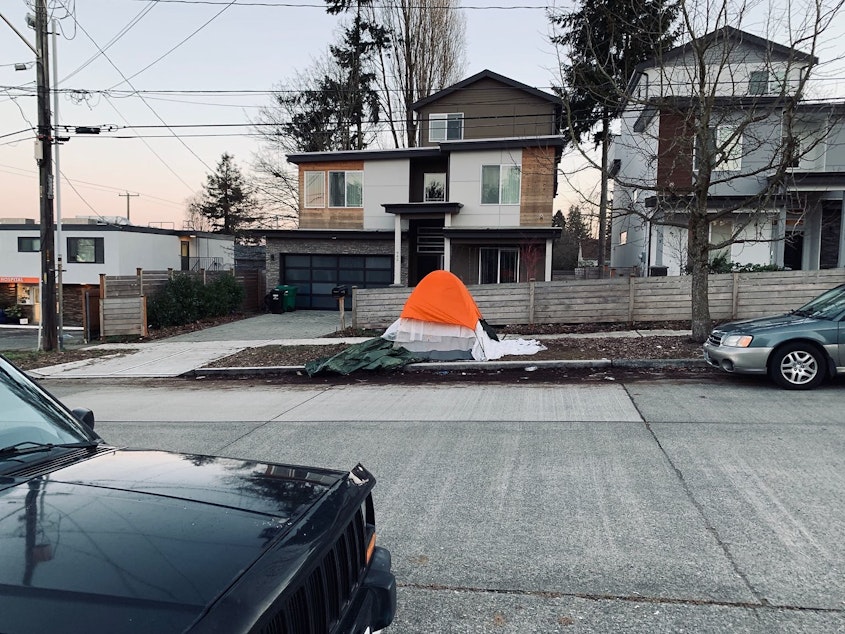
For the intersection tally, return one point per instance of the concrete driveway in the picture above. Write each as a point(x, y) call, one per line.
point(177, 355)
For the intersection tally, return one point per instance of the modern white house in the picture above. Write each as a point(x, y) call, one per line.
point(475, 198)
point(764, 209)
point(91, 248)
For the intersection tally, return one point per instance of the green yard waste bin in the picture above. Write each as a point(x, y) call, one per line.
point(288, 297)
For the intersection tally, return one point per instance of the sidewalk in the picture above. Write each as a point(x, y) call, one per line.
point(189, 353)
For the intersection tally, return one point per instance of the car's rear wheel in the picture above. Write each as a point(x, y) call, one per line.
point(798, 366)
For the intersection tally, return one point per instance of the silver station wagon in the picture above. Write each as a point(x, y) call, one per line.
point(798, 350)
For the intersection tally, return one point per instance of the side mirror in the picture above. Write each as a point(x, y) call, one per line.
point(84, 415)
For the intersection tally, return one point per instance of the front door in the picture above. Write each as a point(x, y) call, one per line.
point(185, 252)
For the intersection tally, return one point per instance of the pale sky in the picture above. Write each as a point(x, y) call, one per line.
point(249, 47)
point(246, 49)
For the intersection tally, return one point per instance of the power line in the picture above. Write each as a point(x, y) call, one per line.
point(322, 6)
point(172, 171)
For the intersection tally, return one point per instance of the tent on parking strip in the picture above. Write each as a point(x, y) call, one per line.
point(440, 320)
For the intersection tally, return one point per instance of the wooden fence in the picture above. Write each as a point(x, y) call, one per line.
point(123, 298)
point(616, 300)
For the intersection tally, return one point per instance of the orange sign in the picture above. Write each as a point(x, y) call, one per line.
point(15, 279)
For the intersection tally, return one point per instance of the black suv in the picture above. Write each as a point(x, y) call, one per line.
point(95, 538)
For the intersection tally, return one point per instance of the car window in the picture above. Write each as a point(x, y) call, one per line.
point(27, 414)
point(828, 305)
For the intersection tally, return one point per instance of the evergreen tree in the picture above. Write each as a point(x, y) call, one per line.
point(227, 200)
point(604, 40)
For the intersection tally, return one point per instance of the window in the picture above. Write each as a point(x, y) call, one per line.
point(500, 184)
point(29, 245)
point(729, 158)
point(642, 86)
point(724, 150)
point(434, 187)
point(446, 127)
point(498, 266)
point(315, 189)
point(85, 250)
point(763, 82)
point(346, 189)
point(758, 82)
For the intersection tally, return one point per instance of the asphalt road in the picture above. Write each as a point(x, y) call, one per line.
point(650, 506)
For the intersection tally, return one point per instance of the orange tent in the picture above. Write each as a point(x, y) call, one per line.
point(442, 298)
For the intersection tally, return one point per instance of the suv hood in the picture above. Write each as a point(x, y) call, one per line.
point(152, 534)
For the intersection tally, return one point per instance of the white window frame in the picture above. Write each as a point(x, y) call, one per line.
point(445, 117)
point(346, 175)
point(317, 177)
point(503, 179)
point(430, 177)
point(731, 156)
point(499, 251)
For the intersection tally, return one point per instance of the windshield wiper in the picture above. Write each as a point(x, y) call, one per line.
point(29, 446)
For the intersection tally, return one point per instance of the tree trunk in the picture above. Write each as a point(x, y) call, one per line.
point(698, 255)
point(605, 151)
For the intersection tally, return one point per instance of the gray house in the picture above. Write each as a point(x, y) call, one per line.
point(764, 207)
point(475, 198)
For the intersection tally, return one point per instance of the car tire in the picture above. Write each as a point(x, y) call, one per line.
point(798, 366)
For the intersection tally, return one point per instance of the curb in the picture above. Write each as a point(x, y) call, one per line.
point(461, 366)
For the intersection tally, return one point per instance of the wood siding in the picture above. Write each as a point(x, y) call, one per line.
point(618, 300)
point(674, 153)
point(493, 110)
point(329, 217)
point(537, 187)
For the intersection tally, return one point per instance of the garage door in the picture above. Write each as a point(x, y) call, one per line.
point(316, 275)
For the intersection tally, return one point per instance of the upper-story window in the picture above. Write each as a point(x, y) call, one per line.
point(724, 150)
point(500, 184)
point(446, 126)
point(315, 189)
point(764, 82)
point(434, 187)
point(29, 245)
point(346, 189)
point(85, 250)
point(642, 86)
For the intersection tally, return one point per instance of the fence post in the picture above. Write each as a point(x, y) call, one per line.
point(631, 295)
point(139, 273)
point(354, 306)
point(531, 284)
point(735, 294)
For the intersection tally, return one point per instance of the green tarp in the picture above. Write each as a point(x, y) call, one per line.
point(373, 354)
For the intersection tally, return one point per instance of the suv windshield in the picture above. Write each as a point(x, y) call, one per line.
point(29, 416)
point(828, 305)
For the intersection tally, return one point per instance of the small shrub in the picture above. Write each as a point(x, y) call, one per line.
point(184, 300)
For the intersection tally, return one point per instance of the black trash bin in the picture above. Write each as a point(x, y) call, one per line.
point(273, 301)
point(658, 271)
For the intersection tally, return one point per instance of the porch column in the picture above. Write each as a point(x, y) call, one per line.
point(397, 250)
point(447, 244)
point(548, 276)
point(780, 238)
point(841, 262)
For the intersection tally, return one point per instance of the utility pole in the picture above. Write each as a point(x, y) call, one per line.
point(128, 196)
point(44, 156)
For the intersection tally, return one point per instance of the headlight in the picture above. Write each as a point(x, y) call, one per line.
point(737, 341)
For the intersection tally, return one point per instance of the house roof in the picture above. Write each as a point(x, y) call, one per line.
point(444, 147)
point(485, 74)
point(728, 33)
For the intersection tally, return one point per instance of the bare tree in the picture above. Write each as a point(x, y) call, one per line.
point(428, 54)
point(712, 133)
